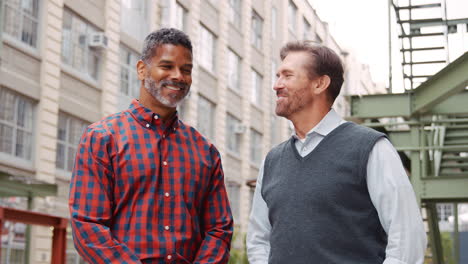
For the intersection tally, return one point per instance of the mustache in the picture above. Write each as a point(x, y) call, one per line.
point(180, 85)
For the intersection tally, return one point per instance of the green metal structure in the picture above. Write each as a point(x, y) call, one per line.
point(434, 134)
point(429, 121)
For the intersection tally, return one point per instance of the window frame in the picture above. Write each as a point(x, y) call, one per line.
point(233, 58)
point(235, 13)
point(11, 156)
point(257, 86)
point(66, 170)
point(85, 70)
point(208, 54)
point(256, 150)
point(257, 30)
point(233, 139)
point(292, 16)
point(37, 20)
point(206, 115)
point(132, 92)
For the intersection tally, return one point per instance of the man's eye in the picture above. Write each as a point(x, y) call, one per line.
point(166, 66)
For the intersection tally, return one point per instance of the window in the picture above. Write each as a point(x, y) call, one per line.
point(307, 29)
point(273, 73)
point(134, 18)
point(444, 211)
point(256, 88)
point(205, 117)
point(292, 14)
point(16, 124)
point(255, 147)
point(75, 50)
point(69, 131)
point(233, 190)
point(235, 13)
point(257, 25)
point(233, 134)
point(234, 70)
point(207, 53)
point(21, 20)
point(180, 17)
point(274, 21)
point(129, 83)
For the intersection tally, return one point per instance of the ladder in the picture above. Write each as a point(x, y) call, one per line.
point(424, 36)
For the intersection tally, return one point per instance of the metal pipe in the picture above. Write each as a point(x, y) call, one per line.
point(446, 148)
point(415, 123)
point(390, 89)
point(456, 234)
point(1, 30)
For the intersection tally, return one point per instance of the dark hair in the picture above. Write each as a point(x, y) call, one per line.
point(323, 61)
point(163, 36)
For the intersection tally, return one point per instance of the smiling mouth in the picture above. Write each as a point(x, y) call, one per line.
point(174, 88)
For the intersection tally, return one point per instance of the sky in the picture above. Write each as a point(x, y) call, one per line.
point(361, 26)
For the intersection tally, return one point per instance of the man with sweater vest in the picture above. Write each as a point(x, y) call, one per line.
point(335, 192)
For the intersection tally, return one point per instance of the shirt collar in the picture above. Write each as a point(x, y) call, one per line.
point(331, 121)
point(148, 118)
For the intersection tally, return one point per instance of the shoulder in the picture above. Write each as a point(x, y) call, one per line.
point(277, 150)
point(104, 128)
point(362, 131)
point(193, 134)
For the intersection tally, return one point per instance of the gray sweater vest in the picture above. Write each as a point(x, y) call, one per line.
point(319, 206)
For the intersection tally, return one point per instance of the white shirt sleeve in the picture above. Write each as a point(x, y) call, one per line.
point(393, 197)
point(258, 231)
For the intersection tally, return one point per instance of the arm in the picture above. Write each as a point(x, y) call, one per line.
point(394, 199)
point(258, 233)
point(91, 203)
point(216, 220)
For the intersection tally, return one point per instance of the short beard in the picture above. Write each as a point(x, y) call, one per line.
point(155, 89)
point(297, 101)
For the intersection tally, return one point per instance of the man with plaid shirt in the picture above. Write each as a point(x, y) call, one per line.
point(147, 188)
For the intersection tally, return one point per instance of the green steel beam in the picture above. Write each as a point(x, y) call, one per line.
point(443, 93)
point(400, 138)
point(435, 240)
point(380, 105)
point(456, 104)
point(447, 82)
point(11, 187)
point(444, 188)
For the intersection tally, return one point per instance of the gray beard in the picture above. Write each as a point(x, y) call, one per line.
point(155, 90)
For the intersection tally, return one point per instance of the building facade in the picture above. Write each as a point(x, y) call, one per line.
point(66, 64)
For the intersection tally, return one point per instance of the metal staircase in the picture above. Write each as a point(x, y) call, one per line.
point(423, 34)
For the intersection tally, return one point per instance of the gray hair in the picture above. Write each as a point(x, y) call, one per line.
point(163, 36)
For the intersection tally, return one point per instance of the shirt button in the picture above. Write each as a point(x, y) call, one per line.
point(147, 125)
point(169, 256)
point(166, 194)
point(166, 227)
point(156, 117)
point(165, 163)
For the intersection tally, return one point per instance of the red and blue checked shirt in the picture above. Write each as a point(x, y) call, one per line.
point(147, 192)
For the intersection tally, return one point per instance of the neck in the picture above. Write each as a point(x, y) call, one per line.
point(148, 101)
point(308, 118)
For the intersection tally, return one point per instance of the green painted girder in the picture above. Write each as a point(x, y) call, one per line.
point(380, 105)
point(447, 82)
point(444, 189)
point(11, 187)
point(443, 93)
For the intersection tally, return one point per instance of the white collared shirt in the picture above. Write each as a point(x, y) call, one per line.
point(390, 191)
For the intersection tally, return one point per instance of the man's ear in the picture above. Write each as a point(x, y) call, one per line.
point(142, 70)
point(323, 82)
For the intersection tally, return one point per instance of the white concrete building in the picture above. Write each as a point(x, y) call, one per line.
point(66, 64)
